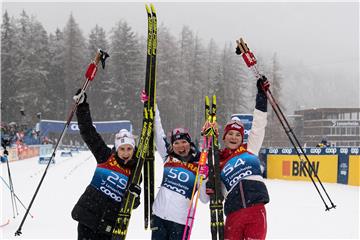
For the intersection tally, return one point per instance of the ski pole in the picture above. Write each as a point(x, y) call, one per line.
point(89, 75)
point(203, 158)
point(13, 201)
point(250, 60)
point(7, 185)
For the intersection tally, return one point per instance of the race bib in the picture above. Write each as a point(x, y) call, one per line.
point(239, 167)
point(110, 182)
point(180, 178)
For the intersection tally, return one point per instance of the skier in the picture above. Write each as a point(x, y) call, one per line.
point(4, 157)
point(245, 191)
point(4, 143)
point(180, 159)
point(98, 207)
point(323, 143)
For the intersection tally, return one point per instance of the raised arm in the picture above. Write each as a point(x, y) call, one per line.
point(257, 133)
point(160, 137)
point(88, 133)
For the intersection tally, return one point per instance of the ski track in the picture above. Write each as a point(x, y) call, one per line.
point(295, 211)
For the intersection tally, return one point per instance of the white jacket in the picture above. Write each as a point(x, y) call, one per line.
point(172, 200)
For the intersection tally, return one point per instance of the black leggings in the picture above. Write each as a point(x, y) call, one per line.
point(85, 233)
point(166, 230)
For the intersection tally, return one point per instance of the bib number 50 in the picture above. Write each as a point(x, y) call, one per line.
point(176, 174)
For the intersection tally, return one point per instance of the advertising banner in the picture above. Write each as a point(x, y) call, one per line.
point(354, 170)
point(289, 167)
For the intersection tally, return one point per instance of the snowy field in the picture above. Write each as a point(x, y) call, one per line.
point(295, 211)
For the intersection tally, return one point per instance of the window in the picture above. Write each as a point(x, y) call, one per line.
point(343, 132)
point(326, 131)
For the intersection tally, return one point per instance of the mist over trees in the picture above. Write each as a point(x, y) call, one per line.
point(40, 72)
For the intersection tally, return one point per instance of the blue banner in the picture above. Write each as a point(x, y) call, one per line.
point(51, 126)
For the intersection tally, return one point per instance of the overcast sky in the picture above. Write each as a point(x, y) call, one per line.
point(316, 32)
point(321, 35)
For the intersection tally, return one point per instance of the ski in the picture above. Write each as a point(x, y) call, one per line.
point(150, 86)
point(209, 152)
point(120, 229)
point(214, 181)
point(6, 223)
point(251, 62)
point(145, 148)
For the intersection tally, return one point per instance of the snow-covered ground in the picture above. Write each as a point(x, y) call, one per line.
point(295, 211)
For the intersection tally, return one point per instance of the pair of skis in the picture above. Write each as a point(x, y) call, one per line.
point(251, 62)
point(209, 152)
point(145, 149)
point(214, 181)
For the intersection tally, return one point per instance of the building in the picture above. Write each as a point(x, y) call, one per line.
point(340, 126)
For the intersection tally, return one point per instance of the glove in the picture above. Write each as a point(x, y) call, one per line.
point(6, 152)
point(262, 85)
point(143, 96)
point(261, 99)
point(209, 189)
point(168, 146)
point(135, 189)
point(204, 171)
point(82, 97)
point(136, 202)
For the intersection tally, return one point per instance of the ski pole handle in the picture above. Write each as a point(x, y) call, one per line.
point(92, 69)
point(243, 50)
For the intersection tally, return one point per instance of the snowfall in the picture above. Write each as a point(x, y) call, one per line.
point(295, 210)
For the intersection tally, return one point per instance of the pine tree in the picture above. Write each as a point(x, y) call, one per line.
point(97, 92)
point(126, 73)
point(74, 60)
point(168, 74)
point(9, 62)
point(197, 92)
point(276, 134)
point(212, 64)
point(32, 72)
point(56, 84)
point(186, 43)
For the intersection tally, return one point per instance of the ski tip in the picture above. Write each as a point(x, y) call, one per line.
point(207, 100)
point(214, 99)
point(147, 9)
point(152, 8)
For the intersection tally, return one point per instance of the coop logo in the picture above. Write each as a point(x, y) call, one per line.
point(75, 126)
point(286, 151)
point(354, 150)
point(315, 150)
point(298, 169)
point(344, 150)
point(301, 151)
point(330, 150)
point(273, 150)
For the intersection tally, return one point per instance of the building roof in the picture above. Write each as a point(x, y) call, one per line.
point(327, 110)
